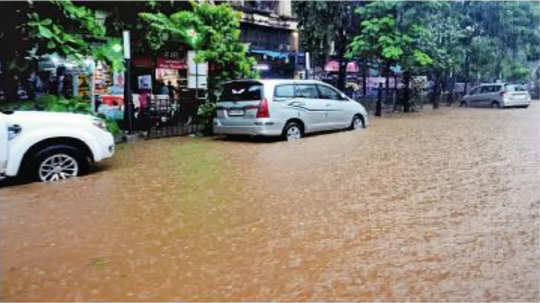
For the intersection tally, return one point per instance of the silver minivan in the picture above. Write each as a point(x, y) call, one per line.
point(497, 95)
point(287, 108)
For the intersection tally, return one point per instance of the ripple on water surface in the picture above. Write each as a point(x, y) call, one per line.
point(426, 206)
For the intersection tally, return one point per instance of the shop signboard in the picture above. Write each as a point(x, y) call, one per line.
point(170, 63)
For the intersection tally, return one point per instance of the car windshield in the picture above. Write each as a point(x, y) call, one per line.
point(241, 91)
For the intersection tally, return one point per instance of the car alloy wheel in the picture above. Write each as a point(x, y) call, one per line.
point(495, 105)
point(58, 167)
point(357, 123)
point(294, 133)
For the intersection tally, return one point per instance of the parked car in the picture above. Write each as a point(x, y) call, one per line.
point(497, 95)
point(287, 108)
point(51, 146)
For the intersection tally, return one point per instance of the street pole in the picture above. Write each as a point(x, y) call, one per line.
point(92, 92)
point(128, 105)
point(308, 66)
point(378, 108)
point(197, 81)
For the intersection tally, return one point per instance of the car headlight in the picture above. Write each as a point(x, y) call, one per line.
point(100, 123)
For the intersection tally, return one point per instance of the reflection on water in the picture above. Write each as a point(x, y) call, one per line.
point(426, 206)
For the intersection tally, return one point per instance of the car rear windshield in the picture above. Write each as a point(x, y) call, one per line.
point(241, 91)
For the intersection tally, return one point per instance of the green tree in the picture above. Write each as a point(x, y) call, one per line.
point(124, 15)
point(497, 35)
point(323, 24)
point(33, 29)
point(389, 35)
point(212, 30)
point(58, 35)
point(441, 38)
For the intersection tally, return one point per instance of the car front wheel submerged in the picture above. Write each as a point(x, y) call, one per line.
point(357, 123)
point(292, 131)
point(58, 162)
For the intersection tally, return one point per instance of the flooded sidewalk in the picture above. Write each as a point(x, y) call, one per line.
point(435, 205)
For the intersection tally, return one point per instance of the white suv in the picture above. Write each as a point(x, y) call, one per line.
point(288, 108)
point(51, 146)
point(497, 95)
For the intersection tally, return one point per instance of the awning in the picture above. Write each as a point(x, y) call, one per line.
point(333, 66)
point(269, 53)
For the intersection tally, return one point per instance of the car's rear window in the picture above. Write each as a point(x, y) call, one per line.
point(241, 91)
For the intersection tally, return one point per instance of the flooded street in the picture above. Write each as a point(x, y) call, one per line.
point(436, 205)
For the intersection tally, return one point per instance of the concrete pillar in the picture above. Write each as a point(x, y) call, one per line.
point(285, 8)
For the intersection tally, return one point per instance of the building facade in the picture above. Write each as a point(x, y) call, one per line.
point(270, 30)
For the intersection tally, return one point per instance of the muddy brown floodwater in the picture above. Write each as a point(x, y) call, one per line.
point(437, 205)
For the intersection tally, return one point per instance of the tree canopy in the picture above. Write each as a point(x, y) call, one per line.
point(448, 41)
point(326, 29)
point(212, 30)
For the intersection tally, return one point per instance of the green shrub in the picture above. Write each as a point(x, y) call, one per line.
point(112, 126)
point(59, 104)
point(205, 115)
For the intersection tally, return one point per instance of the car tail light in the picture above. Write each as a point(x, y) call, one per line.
point(262, 111)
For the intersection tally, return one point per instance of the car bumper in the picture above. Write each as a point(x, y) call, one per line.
point(107, 147)
point(263, 129)
point(517, 102)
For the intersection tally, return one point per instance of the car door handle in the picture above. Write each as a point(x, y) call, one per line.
point(328, 105)
point(297, 103)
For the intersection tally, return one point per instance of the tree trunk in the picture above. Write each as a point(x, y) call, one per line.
point(378, 109)
point(341, 46)
point(395, 87)
point(406, 91)
point(466, 68)
point(444, 86)
point(451, 89)
point(498, 69)
point(387, 83)
point(435, 92)
point(364, 80)
point(342, 74)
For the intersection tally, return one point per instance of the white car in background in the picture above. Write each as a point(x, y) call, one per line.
point(51, 146)
point(287, 108)
point(497, 95)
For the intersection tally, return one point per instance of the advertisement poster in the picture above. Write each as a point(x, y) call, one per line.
point(102, 79)
point(145, 82)
point(84, 86)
